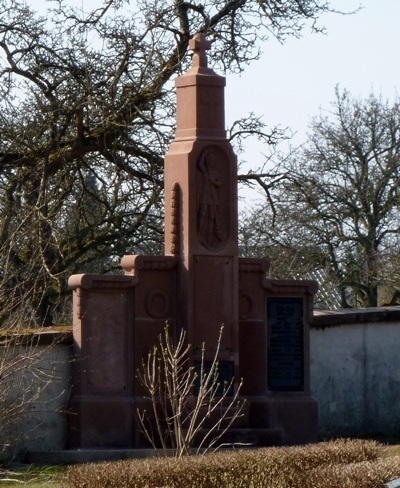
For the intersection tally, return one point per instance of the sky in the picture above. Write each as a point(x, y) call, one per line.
point(293, 81)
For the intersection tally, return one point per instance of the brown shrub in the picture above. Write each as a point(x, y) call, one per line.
point(344, 463)
point(365, 474)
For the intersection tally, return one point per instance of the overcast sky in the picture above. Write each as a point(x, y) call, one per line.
point(292, 81)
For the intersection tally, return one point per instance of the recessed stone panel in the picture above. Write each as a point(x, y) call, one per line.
point(285, 323)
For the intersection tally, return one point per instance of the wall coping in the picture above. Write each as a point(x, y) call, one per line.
point(57, 334)
point(346, 316)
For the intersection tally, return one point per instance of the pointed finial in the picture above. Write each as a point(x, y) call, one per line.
point(199, 45)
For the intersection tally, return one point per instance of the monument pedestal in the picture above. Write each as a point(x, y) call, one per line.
point(274, 352)
point(102, 404)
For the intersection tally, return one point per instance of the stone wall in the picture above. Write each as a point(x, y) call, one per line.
point(355, 377)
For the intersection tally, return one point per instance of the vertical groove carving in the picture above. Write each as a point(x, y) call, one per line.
point(175, 213)
point(79, 303)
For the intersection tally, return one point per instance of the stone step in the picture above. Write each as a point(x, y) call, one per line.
point(78, 456)
point(234, 438)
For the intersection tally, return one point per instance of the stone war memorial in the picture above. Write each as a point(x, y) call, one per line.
point(198, 284)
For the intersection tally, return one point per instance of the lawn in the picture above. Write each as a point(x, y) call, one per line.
point(34, 477)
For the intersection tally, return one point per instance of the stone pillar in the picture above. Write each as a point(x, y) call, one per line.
point(102, 409)
point(201, 210)
point(274, 351)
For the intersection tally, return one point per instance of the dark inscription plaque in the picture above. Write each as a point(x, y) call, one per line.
point(225, 375)
point(285, 344)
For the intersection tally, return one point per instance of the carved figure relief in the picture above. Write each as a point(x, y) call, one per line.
point(212, 198)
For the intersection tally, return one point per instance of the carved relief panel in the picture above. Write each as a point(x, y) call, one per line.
point(213, 198)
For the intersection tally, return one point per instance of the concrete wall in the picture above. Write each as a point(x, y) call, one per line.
point(355, 377)
point(355, 372)
point(40, 378)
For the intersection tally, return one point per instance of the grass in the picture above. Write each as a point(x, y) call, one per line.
point(335, 464)
point(34, 477)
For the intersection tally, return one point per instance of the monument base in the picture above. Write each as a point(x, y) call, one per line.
point(101, 423)
point(296, 417)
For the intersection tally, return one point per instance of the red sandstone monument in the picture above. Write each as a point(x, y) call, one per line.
point(199, 284)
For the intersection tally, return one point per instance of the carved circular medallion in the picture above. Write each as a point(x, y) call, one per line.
point(157, 304)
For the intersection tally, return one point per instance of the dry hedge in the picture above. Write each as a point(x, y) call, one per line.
point(341, 463)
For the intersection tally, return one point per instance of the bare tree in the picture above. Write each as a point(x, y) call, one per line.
point(87, 112)
point(338, 206)
point(189, 409)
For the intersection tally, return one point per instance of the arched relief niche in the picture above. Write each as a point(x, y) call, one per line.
point(213, 198)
